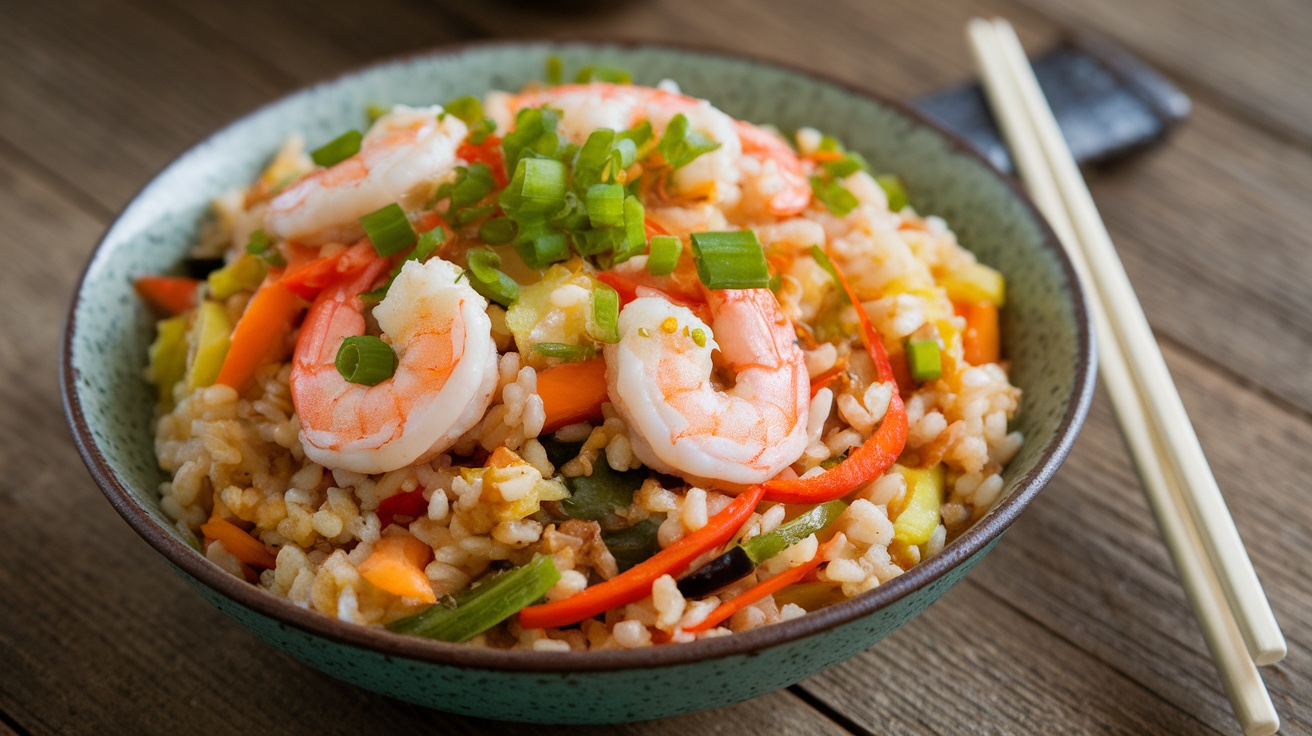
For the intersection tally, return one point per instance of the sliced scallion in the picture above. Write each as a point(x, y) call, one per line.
point(258, 245)
point(635, 229)
point(555, 71)
point(543, 250)
point(601, 73)
point(338, 149)
point(849, 164)
point(730, 260)
point(592, 158)
point(834, 196)
point(681, 144)
point(564, 351)
point(468, 109)
point(487, 278)
point(605, 323)
point(923, 360)
point(605, 204)
point(822, 258)
point(663, 254)
point(389, 230)
point(893, 189)
point(497, 231)
point(365, 359)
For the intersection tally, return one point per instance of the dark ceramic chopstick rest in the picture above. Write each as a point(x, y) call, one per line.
point(1108, 102)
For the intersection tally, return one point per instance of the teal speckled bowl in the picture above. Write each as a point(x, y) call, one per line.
point(1046, 336)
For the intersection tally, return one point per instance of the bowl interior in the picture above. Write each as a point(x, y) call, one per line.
point(109, 330)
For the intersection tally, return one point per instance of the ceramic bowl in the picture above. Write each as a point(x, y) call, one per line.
point(1045, 328)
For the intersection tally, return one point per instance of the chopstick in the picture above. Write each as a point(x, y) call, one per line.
point(1235, 617)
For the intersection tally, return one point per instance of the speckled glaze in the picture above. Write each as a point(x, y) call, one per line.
point(1046, 336)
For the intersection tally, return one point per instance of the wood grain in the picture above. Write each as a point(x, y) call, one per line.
point(1076, 624)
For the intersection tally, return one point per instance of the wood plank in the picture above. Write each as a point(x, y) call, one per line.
point(95, 624)
point(1253, 56)
point(971, 665)
point(1087, 562)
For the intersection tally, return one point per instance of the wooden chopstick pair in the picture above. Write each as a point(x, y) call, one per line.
point(1236, 619)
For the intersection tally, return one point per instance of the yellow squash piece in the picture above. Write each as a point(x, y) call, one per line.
point(920, 513)
point(244, 274)
point(975, 283)
point(207, 345)
point(168, 357)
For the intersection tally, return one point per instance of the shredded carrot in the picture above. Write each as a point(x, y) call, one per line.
point(396, 565)
point(260, 334)
point(171, 295)
point(635, 583)
point(239, 543)
point(767, 587)
point(572, 392)
point(824, 379)
point(980, 342)
point(821, 156)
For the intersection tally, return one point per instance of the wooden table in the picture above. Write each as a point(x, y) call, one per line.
point(1075, 624)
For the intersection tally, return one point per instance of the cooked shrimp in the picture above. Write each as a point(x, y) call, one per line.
point(715, 175)
point(445, 376)
point(405, 150)
point(660, 380)
point(782, 177)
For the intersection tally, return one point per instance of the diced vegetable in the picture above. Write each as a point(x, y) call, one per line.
point(170, 295)
point(338, 149)
point(534, 317)
point(366, 360)
point(485, 605)
point(980, 342)
point(681, 144)
point(730, 260)
point(893, 190)
point(243, 274)
point(168, 358)
point(663, 255)
point(239, 543)
point(975, 282)
point(833, 195)
point(822, 258)
point(764, 546)
point(569, 353)
point(636, 582)
point(207, 345)
point(923, 360)
point(916, 520)
point(259, 245)
point(810, 596)
point(389, 230)
point(260, 334)
point(396, 565)
point(307, 278)
point(633, 544)
point(605, 204)
point(599, 496)
point(604, 324)
point(410, 503)
point(572, 392)
point(729, 567)
point(487, 278)
point(497, 231)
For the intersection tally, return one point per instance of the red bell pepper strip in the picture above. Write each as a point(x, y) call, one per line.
point(171, 295)
point(411, 503)
point(306, 281)
point(875, 455)
point(488, 152)
point(767, 587)
point(635, 583)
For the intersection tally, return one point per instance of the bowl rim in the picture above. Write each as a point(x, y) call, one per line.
point(381, 641)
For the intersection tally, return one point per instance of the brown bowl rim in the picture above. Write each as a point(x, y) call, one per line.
point(384, 642)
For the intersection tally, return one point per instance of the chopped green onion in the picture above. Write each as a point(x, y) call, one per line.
point(923, 360)
point(473, 214)
point(830, 144)
point(555, 71)
point(605, 323)
point(641, 135)
point(605, 204)
point(487, 278)
point(764, 546)
point(596, 242)
point(428, 242)
point(834, 196)
point(468, 108)
point(497, 231)
point(730, 260)
point(893, 189)
point(534, 133)
point(259, 245)
point(822, 258)
point(365, 359)
point(544, 251)
point(776, 281)
point(389, 230)
point(565, 351)
point(592, 158)
point(623, 154)
point(663, 254)
point(680, 144)
point(544, 180)
point(472, 184)
point(573, 216)
point(847, 165)
point(338, 149)
point(375, 110)
point(477, 609)
point(599, 73)
point(635, 229)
